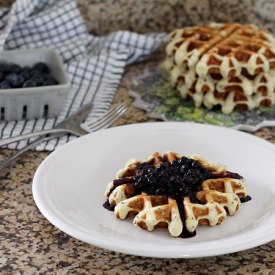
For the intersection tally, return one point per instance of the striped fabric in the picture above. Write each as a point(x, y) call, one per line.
point(94, 64)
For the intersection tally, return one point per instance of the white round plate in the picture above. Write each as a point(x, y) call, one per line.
point(69, 186)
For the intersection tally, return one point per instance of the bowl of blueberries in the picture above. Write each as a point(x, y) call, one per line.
point(33, 84)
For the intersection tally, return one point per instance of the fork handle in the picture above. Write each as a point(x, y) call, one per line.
point(7, 141)
point(9, 161)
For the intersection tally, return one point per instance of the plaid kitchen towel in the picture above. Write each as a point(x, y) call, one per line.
point(94, 64)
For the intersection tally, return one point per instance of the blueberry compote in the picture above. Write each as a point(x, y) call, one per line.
point(174, 179)
point(177, 179)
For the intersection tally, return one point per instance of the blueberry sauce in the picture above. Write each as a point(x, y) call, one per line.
point(245, 199)
point(174, 179)
point(177, 179)
point(227, 174)
point(108, 206)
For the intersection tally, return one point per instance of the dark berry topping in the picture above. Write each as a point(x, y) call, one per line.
point(108, 206)
point(180, 177)
point(245, 199)
point(226, 174)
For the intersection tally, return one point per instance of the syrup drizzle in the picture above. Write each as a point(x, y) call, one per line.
point(175, 179)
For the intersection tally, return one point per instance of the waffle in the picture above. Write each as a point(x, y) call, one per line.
point(229, 65)
point(207, 200)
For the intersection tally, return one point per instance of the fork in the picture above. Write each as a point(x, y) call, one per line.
point(100, 123)
point(65, 127)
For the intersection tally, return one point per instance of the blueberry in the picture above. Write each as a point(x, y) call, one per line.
point(14, 68)
point(29, 83)
point(197, 187)
point(49, 81)
point(16, 80)
point(38, 78)
point(2, 76)
point(5, 85)
point(27, 72)
point(35, 72)
point(138, 183)
point(41, 67)
point(3, 67)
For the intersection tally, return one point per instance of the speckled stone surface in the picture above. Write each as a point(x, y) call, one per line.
point(162, 15)
point(29, 244)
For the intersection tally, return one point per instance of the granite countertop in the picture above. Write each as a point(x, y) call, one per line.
point(31, 245)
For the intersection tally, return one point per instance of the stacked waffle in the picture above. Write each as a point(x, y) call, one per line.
point(229, 65)
point(206, 204)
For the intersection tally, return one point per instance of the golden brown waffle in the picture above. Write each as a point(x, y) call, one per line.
point(189, 44)
point(217, 196)
point(230, 65)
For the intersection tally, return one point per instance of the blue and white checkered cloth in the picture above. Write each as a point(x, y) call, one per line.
point(95, 64)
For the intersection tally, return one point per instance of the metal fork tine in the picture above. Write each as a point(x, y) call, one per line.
point(110, 116)
point(109, 113)
point(107, 117)
point(109, 120)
